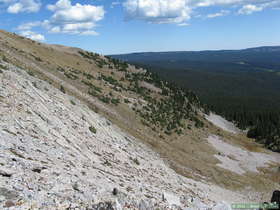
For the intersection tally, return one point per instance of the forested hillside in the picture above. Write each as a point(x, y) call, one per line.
point(242, 85)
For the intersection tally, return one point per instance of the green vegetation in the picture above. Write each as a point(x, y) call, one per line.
point(5, 59)
point(70, 75)
point(171, 111)
point(95, 57)
point(88, 76)
point(3, 67)
point(60, 69)
point(266, 130)
point(93, 92)
point(105, 99)
point(92, 86)
point(111, 80)
point(107, 61)
point(31, 73)
point(38, 59)
point(72, 102)
point(34, 84)
point(89, 55)
point(119, 65)
point(115, 101)
point(62, 89)
point(97, 92)
point(92, 129)
point(136, 161)
point(242, 85)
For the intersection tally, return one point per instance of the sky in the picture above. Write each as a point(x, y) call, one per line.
point(125, 26)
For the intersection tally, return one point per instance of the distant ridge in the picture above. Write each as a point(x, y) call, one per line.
point(252, 49)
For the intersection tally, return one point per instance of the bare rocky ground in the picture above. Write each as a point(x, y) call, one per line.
point(51, 160)
point(239, 160)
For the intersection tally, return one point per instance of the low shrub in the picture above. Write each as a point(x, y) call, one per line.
point(62, 89)
point(92, 129)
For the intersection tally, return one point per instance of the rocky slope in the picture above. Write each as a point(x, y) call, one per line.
point(64, 146)
point(51, 158)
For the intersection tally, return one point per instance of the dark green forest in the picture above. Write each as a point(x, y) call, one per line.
point(241, 85)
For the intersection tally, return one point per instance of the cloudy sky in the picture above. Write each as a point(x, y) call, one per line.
point(121, 26)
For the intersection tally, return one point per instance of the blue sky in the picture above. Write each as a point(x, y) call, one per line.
point(123, 26)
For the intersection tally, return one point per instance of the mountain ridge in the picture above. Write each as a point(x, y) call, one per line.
point(258, 49)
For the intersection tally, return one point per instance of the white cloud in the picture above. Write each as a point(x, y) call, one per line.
point(23, 6)
point(62, 4)
point(28, 26)
point(74, 19)
point(249, 9)
point(183, 24)
point(33, 35)
point(155, 11)
point(180, 11)
point(218, 14)
point(89, 32)
point(207, 3)
point(15, 8)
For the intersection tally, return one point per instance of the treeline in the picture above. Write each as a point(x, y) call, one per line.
point(250, 99)
point(243, 86)
point(264, 126)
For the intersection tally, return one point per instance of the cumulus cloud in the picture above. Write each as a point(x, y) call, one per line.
point(23, 6)
point(249, 9)
point(74, 19)
point(33, 35)
point(180, 11)
point(155, 11)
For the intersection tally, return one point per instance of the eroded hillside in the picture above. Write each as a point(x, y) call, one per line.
point(77, 124)
point(57, 153)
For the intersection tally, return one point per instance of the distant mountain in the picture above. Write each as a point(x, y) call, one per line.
point(259, 55)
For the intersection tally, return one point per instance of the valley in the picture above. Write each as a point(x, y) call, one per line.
point(241, 85)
